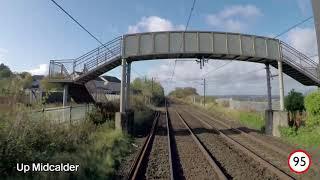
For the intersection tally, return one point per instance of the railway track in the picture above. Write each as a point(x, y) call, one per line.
point(193, 161)
point(263, 166)
point(186, 144)
point(172, 151)
point(274, 155)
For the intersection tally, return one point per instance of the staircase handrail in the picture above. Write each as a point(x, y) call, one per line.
point(285, 48)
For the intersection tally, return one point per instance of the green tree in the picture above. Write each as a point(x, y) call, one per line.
point(294, 102)
point(5, 71)
point(312, 104)
point(183, 92)
point(151, 90)
point(48, 86)
point(26, 79)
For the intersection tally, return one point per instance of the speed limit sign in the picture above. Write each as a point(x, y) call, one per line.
point(299, 161)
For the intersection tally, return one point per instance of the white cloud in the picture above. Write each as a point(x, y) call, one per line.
point(153, 23)
point(234, 18)
point(42, 69)
point(304, 40)
point(234, 78)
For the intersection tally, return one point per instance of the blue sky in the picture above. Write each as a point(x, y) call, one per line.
point(33, 32)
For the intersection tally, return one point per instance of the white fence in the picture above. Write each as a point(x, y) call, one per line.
point(249, 105)
point(68, 114)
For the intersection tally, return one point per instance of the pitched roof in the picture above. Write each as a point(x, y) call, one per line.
point(37, 77)
point(112, 79)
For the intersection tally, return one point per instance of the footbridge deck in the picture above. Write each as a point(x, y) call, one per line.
point(189, 44)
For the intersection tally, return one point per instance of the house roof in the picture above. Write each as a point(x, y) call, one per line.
point(37, 77)
point(109, 79)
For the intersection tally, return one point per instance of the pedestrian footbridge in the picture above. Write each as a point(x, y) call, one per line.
point(180, 44)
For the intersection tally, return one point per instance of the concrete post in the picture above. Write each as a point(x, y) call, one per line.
point(128, 86)
point(123, 87)
point(65, 95)
point(280, 75)
point(269, 87)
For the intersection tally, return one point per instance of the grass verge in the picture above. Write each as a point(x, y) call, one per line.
point(254, 120)
point(304, 136)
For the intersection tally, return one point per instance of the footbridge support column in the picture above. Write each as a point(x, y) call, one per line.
point(274, 118)
point(281, 87)
point(129, 111)
point(123, 86)
point(65, 95)
point(269, 87)
point(124, 118)
point(128, 86)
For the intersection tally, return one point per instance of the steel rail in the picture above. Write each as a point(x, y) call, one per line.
point(169, 136)
point(280, 173)
point(203, 149)
point(140, 159)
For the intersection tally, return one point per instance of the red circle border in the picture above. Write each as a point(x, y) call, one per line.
point(303, 151)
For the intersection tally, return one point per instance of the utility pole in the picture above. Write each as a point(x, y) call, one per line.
point(151, 88)
point(204, 91)
point(316, 15)
point(152, 84)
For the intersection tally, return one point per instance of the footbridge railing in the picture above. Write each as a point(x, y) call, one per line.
point(71, 68)
point(302, 62)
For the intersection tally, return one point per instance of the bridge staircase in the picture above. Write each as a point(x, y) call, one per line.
point(78, 73)
point(298, 66)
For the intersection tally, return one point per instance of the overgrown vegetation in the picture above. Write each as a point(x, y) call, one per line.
point(148, 91)
point(183, 92)
point(146, 94)
point(14, 84)
point(312, 103)
point(98, 149)
point(251, 119)
point(294, 104)
point(307, 135)
point(93, 143)
point(47, 86)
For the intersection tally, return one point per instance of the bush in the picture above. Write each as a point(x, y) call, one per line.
point(312, 104)
point(96, 148)
point(294, 101)
point(305, 136)
point(183, 92)
point(151, 91)
point(96, 116)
